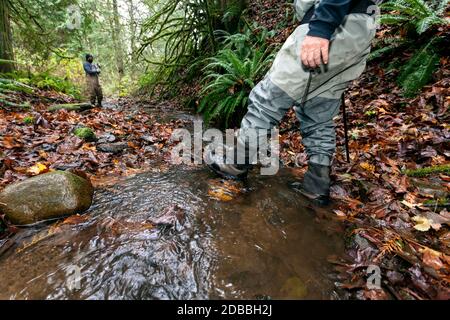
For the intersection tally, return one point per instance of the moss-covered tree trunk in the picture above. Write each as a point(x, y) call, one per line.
point(117, 41)
point(230, 14)
point(6, 48)
point(221, 15)
point(133, 34)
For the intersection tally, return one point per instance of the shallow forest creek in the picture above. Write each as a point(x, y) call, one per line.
point(179, 232)
point(94, 204)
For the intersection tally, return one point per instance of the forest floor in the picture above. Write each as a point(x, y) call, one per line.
point(128, 139)
point(397, 218)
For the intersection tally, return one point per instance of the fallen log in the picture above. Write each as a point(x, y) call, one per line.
point(14, 105)
point(15, 85)
point(71, 106)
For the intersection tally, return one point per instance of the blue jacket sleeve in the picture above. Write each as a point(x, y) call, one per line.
point(328, 15)
point(88, 68)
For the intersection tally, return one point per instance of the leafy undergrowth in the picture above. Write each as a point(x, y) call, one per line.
point(391, 222)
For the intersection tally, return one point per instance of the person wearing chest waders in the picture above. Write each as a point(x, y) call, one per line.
point(93, 84)
point(311, 71)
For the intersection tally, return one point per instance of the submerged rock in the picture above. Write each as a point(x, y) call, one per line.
point(112, 147)
point(46, 196)
point(294, 288)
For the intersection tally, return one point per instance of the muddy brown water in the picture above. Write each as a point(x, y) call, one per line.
point(163, 235)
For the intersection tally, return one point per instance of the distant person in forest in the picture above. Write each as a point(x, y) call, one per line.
point(334, 39)
point(93, 84)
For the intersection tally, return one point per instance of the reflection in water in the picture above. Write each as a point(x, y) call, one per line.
point(163, 236)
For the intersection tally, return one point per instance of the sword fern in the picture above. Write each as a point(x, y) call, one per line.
point(418, 14)
point(229, 77)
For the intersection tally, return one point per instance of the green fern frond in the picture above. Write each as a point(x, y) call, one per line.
point(229, 78)
point(418, 71)
point(419, 14)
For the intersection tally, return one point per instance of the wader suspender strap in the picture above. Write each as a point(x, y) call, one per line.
point(344, 112)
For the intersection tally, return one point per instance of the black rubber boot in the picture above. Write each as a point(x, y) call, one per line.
point(316, 184)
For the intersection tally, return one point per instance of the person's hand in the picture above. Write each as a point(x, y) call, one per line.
point(314, 51)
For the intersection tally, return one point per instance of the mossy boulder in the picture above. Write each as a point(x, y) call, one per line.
point(85, 133)
point(28, 120)
point(47, 196)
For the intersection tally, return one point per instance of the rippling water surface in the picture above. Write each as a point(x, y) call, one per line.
point(164, 235)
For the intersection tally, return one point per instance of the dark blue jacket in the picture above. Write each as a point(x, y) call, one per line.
point(90, 69)
point(329, 15)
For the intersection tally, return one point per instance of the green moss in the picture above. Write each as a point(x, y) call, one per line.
point(85, 133)
point(441, 202)
point(28, 120)
point(16, 87)
point(354, 136)
point(423, 172)
point(370, 113)
point(70, 106)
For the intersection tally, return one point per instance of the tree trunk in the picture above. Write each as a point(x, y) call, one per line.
point(210, 22)
point(133, 26)
point(234, 9)
point(117, 41)
point(133, 35)
point(6, 48)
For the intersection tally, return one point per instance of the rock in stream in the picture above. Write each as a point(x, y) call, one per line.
point(46, 196)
